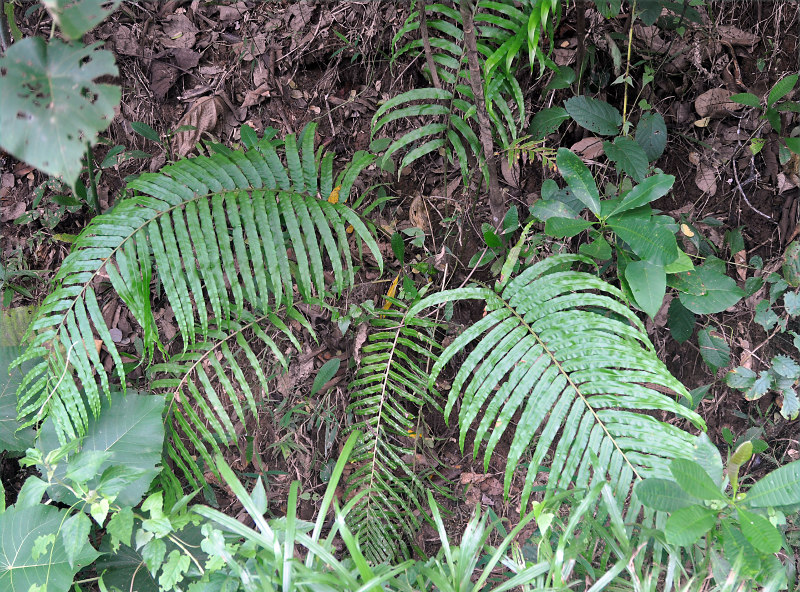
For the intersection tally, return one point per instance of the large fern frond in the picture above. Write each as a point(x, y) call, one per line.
point(561, 350)
point(387, 396)
point(219, 230)
point(449, 112)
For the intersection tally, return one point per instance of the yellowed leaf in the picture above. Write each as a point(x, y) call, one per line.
point(391, 292)
point(686, 230)
point(334, 196)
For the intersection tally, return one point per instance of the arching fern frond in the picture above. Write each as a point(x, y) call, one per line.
point(387, 397)
point(560, 350)
point(213, 390)
point(228, 234)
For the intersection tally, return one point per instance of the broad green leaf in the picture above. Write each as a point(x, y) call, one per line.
point(718, 292)
point(598, 249)
point(786, 367)
point(738, 549)
point(663, 495)
point(173, 570)
point(740, 378)
point(774, 119)
point(547, 121)
point(629, 157)
point(325, 373)
point(759, 531)
point(648, 282)
point(75, 528)
point(681, 264)
point(153, 554)
point(131, 432)
point(743, 453)
point(791, 302)
point(694, 480)
point(399, 247)
point(707, 455)
point(793, 144)
point(75, 18)
point(781, 89)
point(21, 528)
point(650, 241)
point(680, 321)
point(124, 570)
point(715, 351)
point(148, 132)
point(748, 99)
point(791, 404)
point(594, 115)
point(686, 525)
point(781, 487)
point(52, 106)
point(645, 192)
point(565, 227)
point(120, 528)
point(579, 178)
point(651, 134)
point(544, 209)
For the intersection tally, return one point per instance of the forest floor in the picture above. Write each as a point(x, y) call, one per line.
point(217, 66)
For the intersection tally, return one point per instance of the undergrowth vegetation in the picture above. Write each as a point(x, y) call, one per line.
point(554, 376)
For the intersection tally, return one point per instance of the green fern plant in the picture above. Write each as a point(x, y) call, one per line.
point(218, 230)
point(501, 31)
point(560, 350)
point(388, 396)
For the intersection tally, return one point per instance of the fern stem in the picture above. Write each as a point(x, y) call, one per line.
point(496, 201)
point(628, 68)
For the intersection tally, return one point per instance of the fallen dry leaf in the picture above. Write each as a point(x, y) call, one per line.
point(418, 215)
point(706, 179)
point(178, 31)
point(736, 37)
point(510, 172)
point(740, 259)
point(588, 148)
point(203, 117)
point(12, 212)
point(715, 103)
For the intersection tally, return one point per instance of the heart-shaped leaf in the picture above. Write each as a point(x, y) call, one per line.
point(52, 106)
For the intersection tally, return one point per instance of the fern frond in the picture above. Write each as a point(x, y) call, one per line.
point(561, 350)
point(219, 231)
point(387, 397)
point(502, 29)
point(215, 387)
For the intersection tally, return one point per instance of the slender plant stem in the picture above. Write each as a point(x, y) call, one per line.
point(5, 34)
point(496, 200)
point(91, 191)
point(628, 68)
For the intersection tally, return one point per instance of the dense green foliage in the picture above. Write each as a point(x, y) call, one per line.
point(559, 365)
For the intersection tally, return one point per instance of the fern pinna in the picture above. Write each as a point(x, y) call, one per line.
point(560, 349)
point(218, 230)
